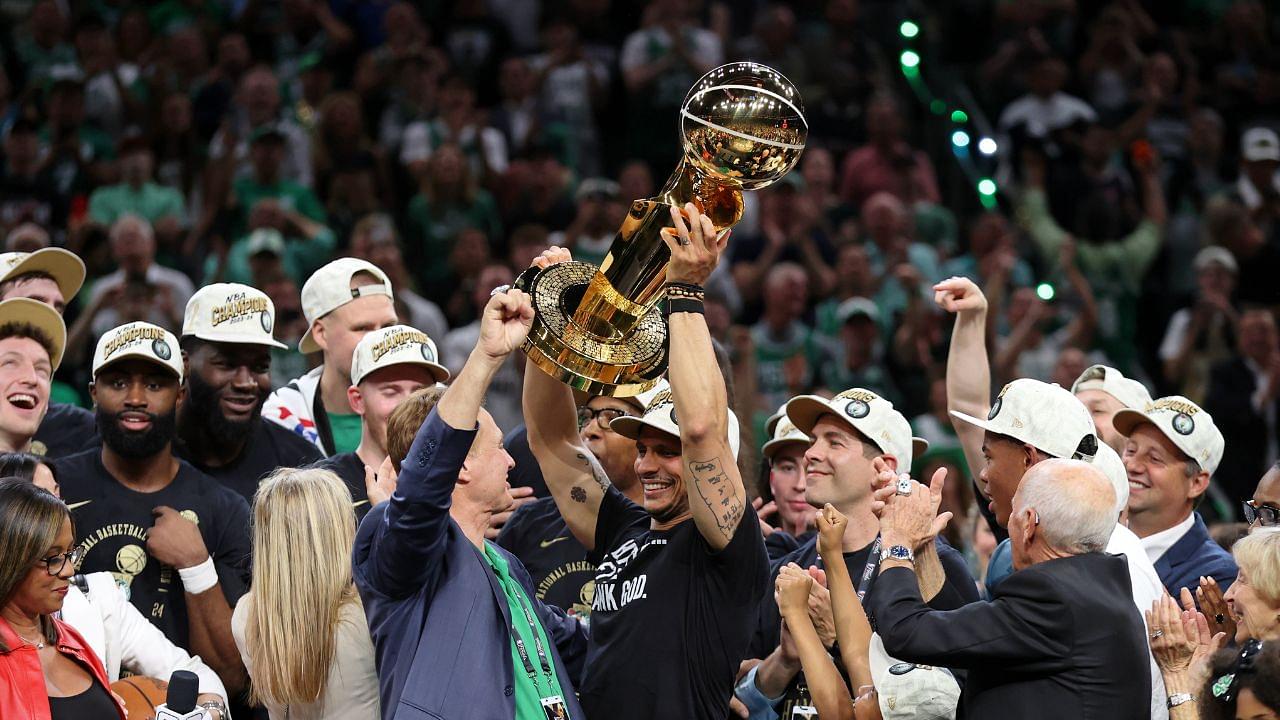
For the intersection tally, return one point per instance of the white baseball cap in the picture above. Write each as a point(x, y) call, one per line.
point(138, 340)
point(908, 691)
point(1130, 393)
point(869, 414)
point(772, 422)
point(25, 311)
point(1109, 463)
point(1185, 423)
point(231, 313)
point(1042, 415)
point(66, 268)
point(1216, 254)
point(660, 414)
point(1260, 143)
point(784, 433)
point(329, 288)
point(396, 345)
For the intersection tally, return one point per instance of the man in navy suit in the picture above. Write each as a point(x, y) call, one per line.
point(458, 630)
point(1172, 450)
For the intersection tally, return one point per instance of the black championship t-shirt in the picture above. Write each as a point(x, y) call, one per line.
point(112, 522)
point(670, 618)
point(350, 468)
point(562, 575)
point(65, 430)
point(270, 446)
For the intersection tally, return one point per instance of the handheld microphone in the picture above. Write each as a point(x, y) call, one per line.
point(180, 703)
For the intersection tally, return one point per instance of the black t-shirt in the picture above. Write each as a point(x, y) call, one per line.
point(350, 468)
point(562, 575)
point(670, 618)
point(112, 522)
point(65, 430)
point(270, 446)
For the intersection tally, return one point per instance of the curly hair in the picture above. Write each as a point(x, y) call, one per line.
point(1263, 680)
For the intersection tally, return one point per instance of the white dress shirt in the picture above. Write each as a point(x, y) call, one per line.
point(1159, 543)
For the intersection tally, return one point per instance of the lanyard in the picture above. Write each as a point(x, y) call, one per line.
point(869, 570)
point(523, 651)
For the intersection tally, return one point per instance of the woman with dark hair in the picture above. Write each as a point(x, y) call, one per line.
point(111, 627)
point(46, 668)
point(1244, 684)
point(31, 468)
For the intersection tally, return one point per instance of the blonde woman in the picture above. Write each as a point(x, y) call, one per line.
point(301, 629)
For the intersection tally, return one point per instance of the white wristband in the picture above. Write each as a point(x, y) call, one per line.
point(199, 578)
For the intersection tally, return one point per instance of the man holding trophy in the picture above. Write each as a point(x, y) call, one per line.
point(680, 576)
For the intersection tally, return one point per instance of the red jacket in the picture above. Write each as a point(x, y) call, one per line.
point(22, 691)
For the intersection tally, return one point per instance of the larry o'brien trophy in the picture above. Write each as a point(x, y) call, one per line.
point(598, 329)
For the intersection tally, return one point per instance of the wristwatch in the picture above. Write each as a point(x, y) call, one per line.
point(1177, 699)
point(898, 552)
point(215, 705)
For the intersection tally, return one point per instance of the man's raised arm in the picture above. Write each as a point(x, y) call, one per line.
point(968, 372)
point(717, 497)
point(572, 473)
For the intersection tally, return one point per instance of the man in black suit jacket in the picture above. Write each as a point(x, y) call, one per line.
point(1244, 397)
point(1061, 637)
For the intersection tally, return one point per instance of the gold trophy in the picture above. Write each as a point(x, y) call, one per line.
point(598, 329)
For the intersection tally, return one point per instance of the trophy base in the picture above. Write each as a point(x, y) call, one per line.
point(623, 364)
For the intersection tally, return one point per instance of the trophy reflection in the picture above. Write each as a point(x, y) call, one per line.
point(598, 329)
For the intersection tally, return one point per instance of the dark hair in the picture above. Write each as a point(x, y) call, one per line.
point(30, 519)
point(13, 282)
point(27, 330)
point(23, 465)
point(1229, 674)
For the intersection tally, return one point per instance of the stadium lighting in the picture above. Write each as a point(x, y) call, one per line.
point(908, 29)
point(987, 146)
point(959, 116)
point(960, 138)
point(987, 187)
point(1045, 292)
point(910, 59)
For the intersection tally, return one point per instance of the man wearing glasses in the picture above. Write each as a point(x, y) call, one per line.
point(537, 533)
point(1264, 509)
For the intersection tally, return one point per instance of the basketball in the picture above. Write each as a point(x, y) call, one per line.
point(141, 695)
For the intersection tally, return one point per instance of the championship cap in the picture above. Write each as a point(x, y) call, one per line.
point(868, 413)
point(138, 340)
point(1131, 393)
point(1185, 423)
point(25, 311)
point(396, 345)
point(231, 313)
point(66, 268)
point(329, 288)
point(907, 691)
point(784, 432)
point(660, 414)
point(772, 423)
point(1042, 415)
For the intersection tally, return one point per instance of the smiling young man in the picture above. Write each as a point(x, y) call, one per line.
point(175, 537)
point(389, 365)
point(51, 276)
point(342, 301)
point(226, 346)
point(1173, 449)
point(32, 338)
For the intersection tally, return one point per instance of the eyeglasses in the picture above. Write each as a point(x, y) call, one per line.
point(603, 416)
point(1264, 515)
point(56, 564)
point(1226, 686)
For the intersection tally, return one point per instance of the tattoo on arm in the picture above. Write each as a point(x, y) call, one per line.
point(595, 469)
point(578, 494)
point(722, 497)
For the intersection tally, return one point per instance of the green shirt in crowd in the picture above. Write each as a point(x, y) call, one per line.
point(544, 683)
point(151, 201)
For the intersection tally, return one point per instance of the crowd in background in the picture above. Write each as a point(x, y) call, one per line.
point(1106, 173)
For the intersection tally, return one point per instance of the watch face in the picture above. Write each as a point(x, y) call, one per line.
point(899, 552)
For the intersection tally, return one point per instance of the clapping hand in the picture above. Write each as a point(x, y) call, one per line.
point(909, 511)
point(1181, 640)
point(792, 590)
point(1213, 605)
